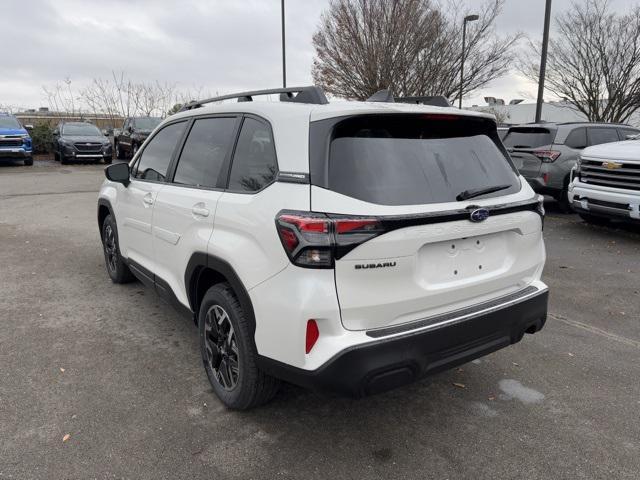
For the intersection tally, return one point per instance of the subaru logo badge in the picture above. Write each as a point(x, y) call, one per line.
point(479, 215)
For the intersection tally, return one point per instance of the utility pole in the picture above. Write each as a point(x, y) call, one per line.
point(543, 61)
point(284, 59)
point(468, 18)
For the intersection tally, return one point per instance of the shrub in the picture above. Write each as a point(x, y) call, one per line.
point(42, 138)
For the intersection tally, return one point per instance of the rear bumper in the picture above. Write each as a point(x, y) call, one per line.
point(389, 362)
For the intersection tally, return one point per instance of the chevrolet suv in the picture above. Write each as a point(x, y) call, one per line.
point(15, 141)
point(351, 247)
point(545, 153)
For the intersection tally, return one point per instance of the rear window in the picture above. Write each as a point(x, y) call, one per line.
point(413, 159)
point(529, 137)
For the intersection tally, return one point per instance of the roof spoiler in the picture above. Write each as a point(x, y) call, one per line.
point(387, 97)
point(312, 94)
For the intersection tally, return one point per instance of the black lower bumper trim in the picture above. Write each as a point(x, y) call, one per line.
point(388, 363)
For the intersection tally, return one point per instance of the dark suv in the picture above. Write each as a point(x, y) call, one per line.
point(133, 134)
point(81, 141)
point(545, 153)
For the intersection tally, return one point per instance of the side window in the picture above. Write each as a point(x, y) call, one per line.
point(155, 158)
point(577, 138)
point(126, 125)
point(628, 132)
point(602, 135)
point(204, 152)
point(254, 162)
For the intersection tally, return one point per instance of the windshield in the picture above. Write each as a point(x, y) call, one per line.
point(417, 159)
point(9, 122)
point(528, 137)
point(84, 129)
point(148, 123)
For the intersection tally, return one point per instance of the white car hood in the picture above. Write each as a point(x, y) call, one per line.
point(629, 150)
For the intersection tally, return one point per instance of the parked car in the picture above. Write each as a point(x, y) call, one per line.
point(606, 183)
point(80, 141)
point(351, 247)
point(15, 141)
point(545, 153)
point(133, 134)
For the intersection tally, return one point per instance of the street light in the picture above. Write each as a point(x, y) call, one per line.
point(543, 61)
point(284, 59)
point(468, 18)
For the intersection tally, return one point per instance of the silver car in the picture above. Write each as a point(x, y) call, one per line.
point(545, 153)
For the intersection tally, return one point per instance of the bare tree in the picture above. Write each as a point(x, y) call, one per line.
point(411, 46)
point(593, 61)
point(63, 98)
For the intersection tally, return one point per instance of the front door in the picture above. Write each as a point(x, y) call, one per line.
point(138, 199)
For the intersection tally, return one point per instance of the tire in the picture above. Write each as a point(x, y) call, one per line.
point(63, 160)
point(563, 201)
point(119, 152)
point(116, 267)
point(226, 340)
point(56, 157)
point(28, 161)
point(108, 160)
point(594, 219)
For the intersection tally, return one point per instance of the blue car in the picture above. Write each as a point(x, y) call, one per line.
point(15, 142)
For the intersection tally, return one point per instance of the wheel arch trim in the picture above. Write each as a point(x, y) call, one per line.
point(200, 261)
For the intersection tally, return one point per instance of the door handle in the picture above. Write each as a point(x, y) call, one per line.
point(148, 199)
point(199, 210)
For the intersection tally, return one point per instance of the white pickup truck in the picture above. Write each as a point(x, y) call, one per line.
point(606, 183)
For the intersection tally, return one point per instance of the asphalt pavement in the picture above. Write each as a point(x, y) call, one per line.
point(105, 381)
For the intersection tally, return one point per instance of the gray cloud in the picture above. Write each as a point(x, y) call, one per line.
point(215, 44)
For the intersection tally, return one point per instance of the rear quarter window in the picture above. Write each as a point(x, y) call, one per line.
point(413, 159)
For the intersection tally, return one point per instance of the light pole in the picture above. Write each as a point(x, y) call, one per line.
point(468, 18)
point(543, 61)
point(284, 60)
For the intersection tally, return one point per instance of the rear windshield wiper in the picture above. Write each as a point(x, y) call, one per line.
point(476, 192)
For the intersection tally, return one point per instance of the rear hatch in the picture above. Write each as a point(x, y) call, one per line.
point(401, 190)
point(528, 147)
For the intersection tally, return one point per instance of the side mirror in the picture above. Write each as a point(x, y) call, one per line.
point(118, 172)
point(56, 132)
point(105, 132)
point(28, 127)
point(130, 129)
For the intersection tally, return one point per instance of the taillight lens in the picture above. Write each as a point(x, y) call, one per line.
point(314, 240)
point(547, 156)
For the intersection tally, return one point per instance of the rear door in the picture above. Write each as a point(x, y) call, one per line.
point(415, 177)
point(523, 143)
point(185, 207)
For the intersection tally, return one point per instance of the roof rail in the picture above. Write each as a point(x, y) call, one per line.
point(311, 94)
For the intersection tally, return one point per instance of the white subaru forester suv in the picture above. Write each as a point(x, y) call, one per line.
point(348, 246)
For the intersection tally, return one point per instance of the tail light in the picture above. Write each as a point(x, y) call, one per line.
point(314, 240)
point(547, 156)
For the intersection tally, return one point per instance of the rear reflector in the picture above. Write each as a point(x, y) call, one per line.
point(312, 335)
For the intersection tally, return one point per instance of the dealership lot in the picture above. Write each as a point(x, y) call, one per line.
point(119, 372)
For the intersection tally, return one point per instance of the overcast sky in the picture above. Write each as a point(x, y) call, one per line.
point(220, 45)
